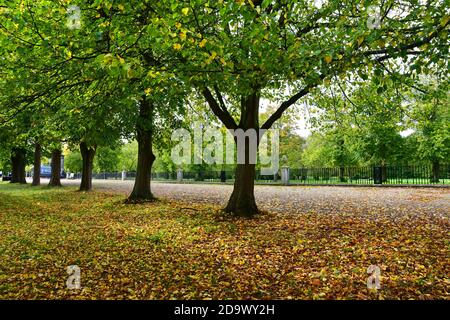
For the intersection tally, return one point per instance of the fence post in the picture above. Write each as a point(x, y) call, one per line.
point(180, 175)
point(223, 176)
point(124, 175)
point(377, 175)
point(285, 175)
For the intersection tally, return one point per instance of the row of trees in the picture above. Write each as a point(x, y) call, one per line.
point(412, 133)
point(90, 74)
point(365, 127)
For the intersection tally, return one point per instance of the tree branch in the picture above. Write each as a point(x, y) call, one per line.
point(223, 115)
point(277, 114)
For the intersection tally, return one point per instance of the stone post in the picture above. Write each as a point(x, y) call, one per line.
point(285, 175)
point(180, 175)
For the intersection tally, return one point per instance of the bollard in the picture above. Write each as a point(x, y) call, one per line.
point(124, 175)
point(285, 175)
point(180, 175)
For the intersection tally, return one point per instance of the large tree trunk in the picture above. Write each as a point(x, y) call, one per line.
point(242, 201)
point(142, 189)
point(55, 178)
point(37, 165)
point(18, 161)
point(87, 153)
point(435, 168)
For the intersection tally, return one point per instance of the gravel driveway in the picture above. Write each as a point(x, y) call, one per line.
point(301, 199)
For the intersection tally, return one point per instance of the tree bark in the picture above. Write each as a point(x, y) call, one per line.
point(435, 168)
point(242, 201)
point(142, 188)
point(55, 178)
point(37, 165)
point(87, 153)
point(18, 161)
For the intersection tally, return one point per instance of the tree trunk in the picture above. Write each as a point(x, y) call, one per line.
point(142, 190)
point(87, 153)
point(242, 201)
point(18, 161)
point(37, 165)
point(435, 168)
point(55, 178)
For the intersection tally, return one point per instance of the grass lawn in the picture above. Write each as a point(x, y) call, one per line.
point(180, 250)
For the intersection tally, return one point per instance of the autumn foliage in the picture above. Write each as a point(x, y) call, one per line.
point(175, 249)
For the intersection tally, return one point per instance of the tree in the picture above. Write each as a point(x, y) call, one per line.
point(107, 159)
point(141, 190)
point(37, 164)
point(430, 119)
point(55, 178)
point(128, 156)
point(241, 50)
point(73, 162)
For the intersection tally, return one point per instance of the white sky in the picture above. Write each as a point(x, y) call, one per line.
point(302, 123)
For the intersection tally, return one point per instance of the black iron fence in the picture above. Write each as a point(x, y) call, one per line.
point(418, 174)
point(390, 175)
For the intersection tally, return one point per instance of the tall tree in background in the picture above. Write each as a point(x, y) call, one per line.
point(431, 120)
point(242, 50)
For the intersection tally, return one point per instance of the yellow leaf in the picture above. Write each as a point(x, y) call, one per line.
point(360, 40)
point(445, 20)
point(177, 46)
point(424, 47)
point(211, 57)
point(183, 36)
point(148, 91)
point(121, 7)
point(108, 58)
point(185, 11)
point(328, 59)
point(202, 43)
point(130, 73)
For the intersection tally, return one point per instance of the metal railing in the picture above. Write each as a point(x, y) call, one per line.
point(390, 175)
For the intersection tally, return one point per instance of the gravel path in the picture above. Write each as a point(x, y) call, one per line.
point(301, 199)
